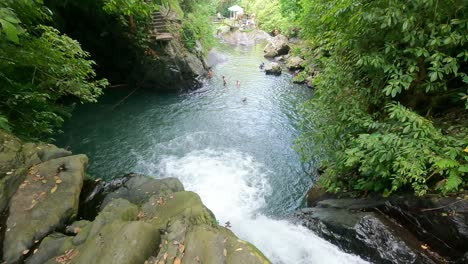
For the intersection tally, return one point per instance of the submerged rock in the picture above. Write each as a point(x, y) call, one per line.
point(278, 46)
point(273, 69)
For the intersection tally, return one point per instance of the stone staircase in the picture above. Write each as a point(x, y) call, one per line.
point(159, 30)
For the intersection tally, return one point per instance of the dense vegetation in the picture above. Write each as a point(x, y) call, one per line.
point(42, 72)
point(389, 112)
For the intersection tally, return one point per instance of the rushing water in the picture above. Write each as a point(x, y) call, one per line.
point(233, 146)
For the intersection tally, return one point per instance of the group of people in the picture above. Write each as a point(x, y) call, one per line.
point(210, 76)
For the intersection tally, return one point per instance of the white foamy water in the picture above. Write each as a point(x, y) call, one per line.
point(234, 186)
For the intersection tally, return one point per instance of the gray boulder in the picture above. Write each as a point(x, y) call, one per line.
point(295, 63)
point(278, 46)
point(46, 199)
point(139, 189)
point(273, 69)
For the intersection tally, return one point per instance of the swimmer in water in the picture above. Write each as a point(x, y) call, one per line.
point(224, 81)
point(210, 74)
point(238, 84)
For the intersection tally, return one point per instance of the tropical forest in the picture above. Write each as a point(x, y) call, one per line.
point(233, 131)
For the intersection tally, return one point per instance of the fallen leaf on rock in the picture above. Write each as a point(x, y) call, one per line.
point(225, 240)
point(175, 242)
point(177, 260)
point(165, 256)
point(44, 181)
point(36, 241)
point(53, 189)
point(161, 262)
point(181, 248)
point(225, 252)
point(58, 181)
point(67, 257)
point(9, 173)
point(25, 251)
point(35, 251)
point(239, 249)
point(425, 246)
point(76, 230)
point(197, 259)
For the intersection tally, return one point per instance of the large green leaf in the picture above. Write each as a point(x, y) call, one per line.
point(10, 30)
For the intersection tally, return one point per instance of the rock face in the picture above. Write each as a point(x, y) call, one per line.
point(295, 63)
point(278, 46)
point(400, 229)
point(136, 219)
point(170, 65)
point(273, 69)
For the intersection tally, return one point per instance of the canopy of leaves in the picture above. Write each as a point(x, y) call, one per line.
point(389, 71)
point(41, 72)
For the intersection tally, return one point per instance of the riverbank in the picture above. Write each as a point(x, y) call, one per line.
point(140, 220)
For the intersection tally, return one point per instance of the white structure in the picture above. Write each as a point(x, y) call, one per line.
point(235, 11)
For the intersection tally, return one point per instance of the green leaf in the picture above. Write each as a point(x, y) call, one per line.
point(10, 31)
point(463, 168)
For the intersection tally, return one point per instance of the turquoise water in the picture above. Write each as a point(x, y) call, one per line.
point(232, 145)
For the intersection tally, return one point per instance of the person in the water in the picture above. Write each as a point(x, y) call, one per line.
point(224, 81)
point(210, 73)
point(238, 84)
point(262, 66)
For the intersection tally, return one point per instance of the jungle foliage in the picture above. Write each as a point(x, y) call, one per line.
point(42, 72)
point(390, 106)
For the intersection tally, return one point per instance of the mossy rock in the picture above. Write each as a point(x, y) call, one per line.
point(139, 189)
point(46, 200)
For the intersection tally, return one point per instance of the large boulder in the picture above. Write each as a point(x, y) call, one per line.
point(402, 228)
point(113, 237)
point(371, 236)
point(45, 201)
point(168, 227)
point(277, 46)
point(139, 189)
point(16, 158)
point(273, 68)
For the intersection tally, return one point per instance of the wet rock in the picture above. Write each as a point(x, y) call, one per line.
point(316, 194)
point(273, 69)
point(93, 193)
point(278, 46)
point(364, 233)
point(442, 222)
point(139, 189)
point(46, 199)
point(295, 63)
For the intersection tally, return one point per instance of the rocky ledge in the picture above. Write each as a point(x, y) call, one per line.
point(399, 229)
point(49, 217)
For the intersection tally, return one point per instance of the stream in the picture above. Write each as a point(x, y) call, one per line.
point(232, 145)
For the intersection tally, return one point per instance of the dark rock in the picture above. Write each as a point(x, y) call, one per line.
point(93, 193)
point(273, 69)
point(364, 233)
point(440, 221)
point(316, 194)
